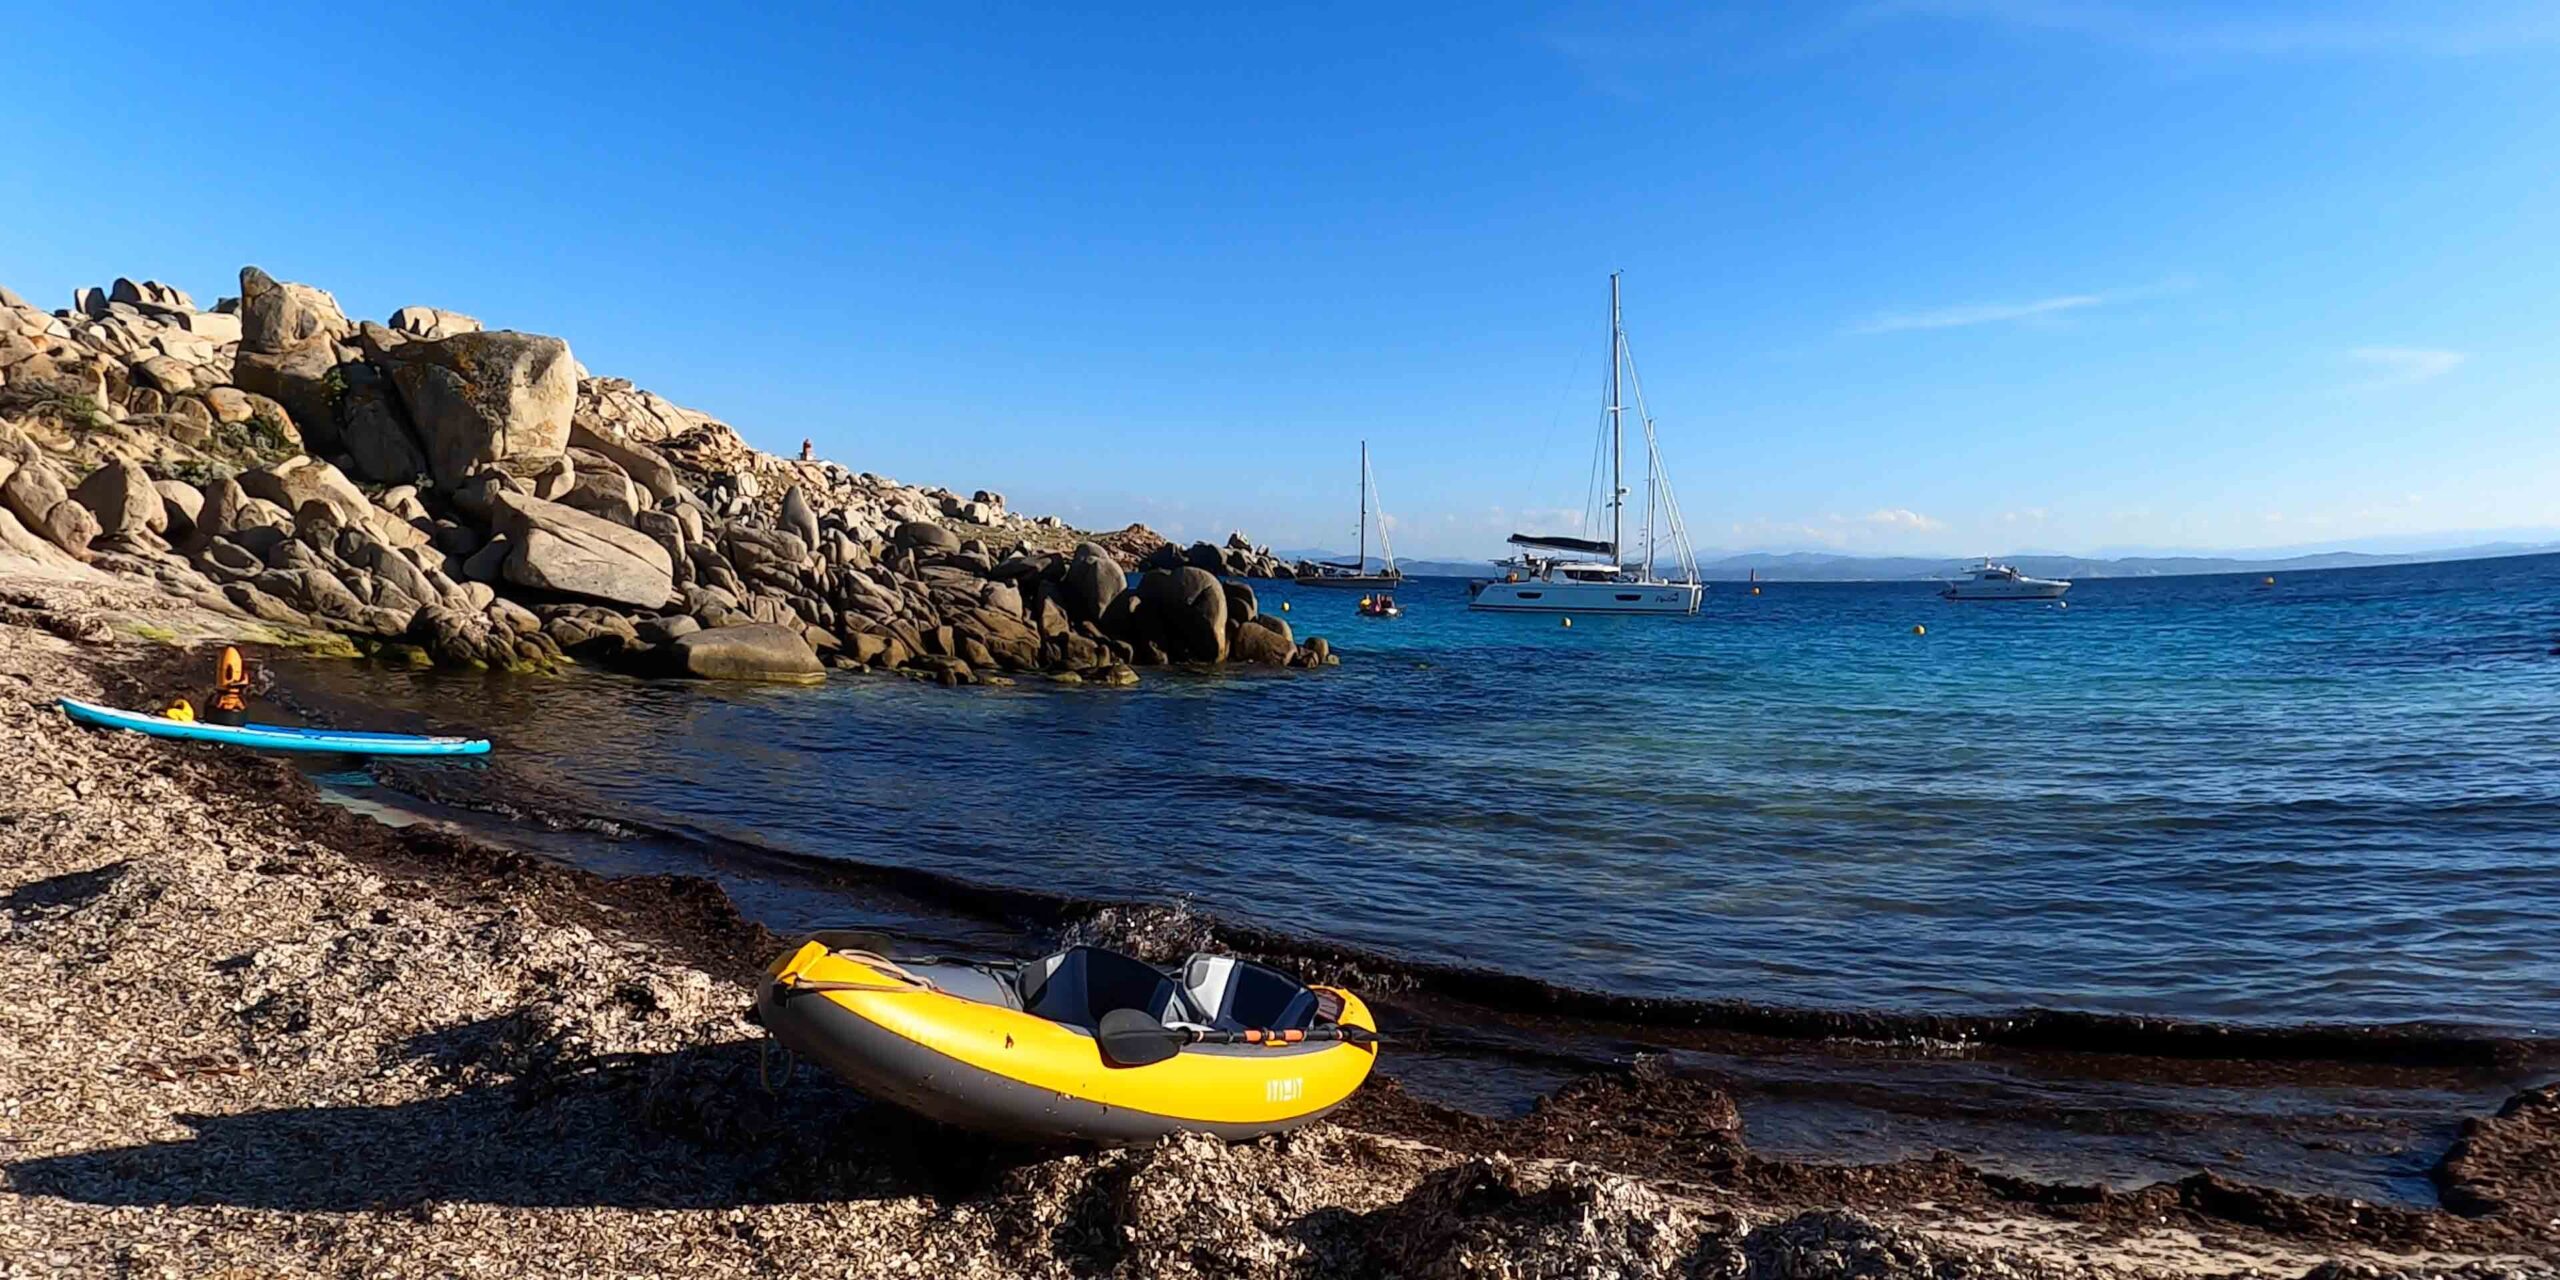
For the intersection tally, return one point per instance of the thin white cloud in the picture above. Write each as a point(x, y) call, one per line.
point(1762, 531)
point(2408, 504)
point(2034, 310)
point(1469, 532)
point(1626, 58)
point(2403, 366)
point(2255, 31)
point(1533, 519)
point(1902, 519)
point(1960, 317)
point(1886, 530)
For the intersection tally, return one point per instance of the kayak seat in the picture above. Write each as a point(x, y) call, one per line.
point(1080, 984)
point(1234, 995)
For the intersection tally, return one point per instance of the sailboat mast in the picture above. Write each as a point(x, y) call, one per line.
point(1617, 486)
point(1364, 506)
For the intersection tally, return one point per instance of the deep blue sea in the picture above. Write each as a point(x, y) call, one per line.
point(2336, 798)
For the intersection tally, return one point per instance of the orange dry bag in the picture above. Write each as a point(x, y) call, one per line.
point(230, 682)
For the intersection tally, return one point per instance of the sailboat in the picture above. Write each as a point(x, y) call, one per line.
point(1355, 572)
point(1556, 573)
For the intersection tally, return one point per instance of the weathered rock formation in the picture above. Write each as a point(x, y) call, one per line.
point(32, 492)
point(756, 651)
point(128, 507)
point(430, 322)
point(450, 493)
point(288, 345)
point(565, 551)
point(483, 398)
point(1237, 558)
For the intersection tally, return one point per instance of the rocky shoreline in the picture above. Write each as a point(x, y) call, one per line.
point(251, 1032)
point(440, 493)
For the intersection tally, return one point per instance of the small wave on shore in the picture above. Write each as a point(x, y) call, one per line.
point(2058, 1095)
point(1883, 957)
point(2201, 822)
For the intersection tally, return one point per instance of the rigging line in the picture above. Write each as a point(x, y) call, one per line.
point(1537, 462)
point(1378, 503)
point(1592, 501)
point(1679, 526)
point(1661, 473)
point(1602, 492)
point(1652, 457)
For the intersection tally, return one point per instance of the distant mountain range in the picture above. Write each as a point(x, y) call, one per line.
point(1821, 566)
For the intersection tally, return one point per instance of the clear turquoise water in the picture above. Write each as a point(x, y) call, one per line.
point(2334, 799)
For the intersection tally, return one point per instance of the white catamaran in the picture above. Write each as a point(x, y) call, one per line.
point(1355, 571)
point(1559, 574)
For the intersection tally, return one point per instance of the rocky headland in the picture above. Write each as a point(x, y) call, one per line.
point(441, 493)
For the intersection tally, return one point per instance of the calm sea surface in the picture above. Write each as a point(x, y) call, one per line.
point(2337, 798)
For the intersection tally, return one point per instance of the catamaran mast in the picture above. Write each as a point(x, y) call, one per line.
point(1617, 487)
point(1364, 507)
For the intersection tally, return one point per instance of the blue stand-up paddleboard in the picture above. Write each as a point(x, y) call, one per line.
point(268, 737)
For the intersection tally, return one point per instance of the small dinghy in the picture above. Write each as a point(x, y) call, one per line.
point(1085, 1045)
point(268, 737)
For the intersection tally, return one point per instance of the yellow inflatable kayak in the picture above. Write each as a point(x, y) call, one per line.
point(1087, 1044)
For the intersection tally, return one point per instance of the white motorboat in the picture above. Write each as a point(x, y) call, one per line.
point(1991, 580)
point(1554, 573)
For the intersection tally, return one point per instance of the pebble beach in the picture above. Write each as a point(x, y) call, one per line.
point(253, 1033)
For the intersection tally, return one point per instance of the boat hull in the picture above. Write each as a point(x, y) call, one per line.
point(265, 737)
point(1002, 1071)
point(2005, 591)
point(1362, 581)
point(1539, 596)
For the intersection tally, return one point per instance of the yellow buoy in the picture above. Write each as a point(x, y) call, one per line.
point(1284, 606)
point(1568, 622)
point(1919, 630)
point(2267, 581)
point(1755, 591)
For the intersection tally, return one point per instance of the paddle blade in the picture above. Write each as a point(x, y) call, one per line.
point(1129, 1038)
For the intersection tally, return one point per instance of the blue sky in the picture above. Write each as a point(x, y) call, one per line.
point(1932, 276)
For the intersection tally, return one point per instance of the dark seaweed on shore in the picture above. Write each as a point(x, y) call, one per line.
point(1477, 1001)
point(1642, 1118)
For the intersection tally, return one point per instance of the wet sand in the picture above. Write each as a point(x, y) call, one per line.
point(250, 1029)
